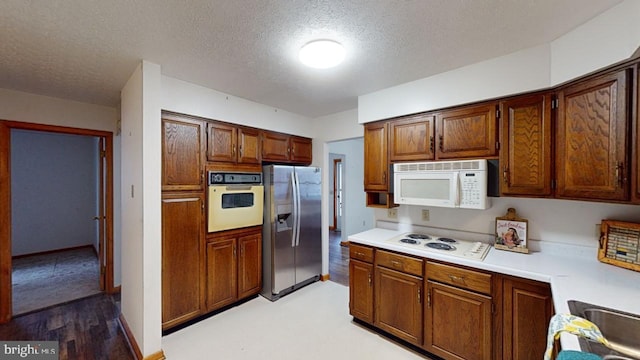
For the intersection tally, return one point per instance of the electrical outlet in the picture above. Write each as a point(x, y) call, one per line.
point(392, 214)
point(425, 215)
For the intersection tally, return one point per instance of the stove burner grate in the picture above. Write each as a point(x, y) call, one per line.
point(440, 246)
point(447, 240)
point(410, 241)
point(419, 236)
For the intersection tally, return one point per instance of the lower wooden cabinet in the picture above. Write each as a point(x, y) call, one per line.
point(398, 304)
point(527, 309)
point(182, 257)
point(234, 266)
point(457, 323)
point(361, 290)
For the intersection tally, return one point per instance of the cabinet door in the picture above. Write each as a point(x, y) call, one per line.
point(182, 145)
point(376, 162)
point(249, 264)
point(249, 146)
point(467, 132)
point(221, 142)
point(527, 310)
point(457, 323)
point(221, 273)
point(275, 146)
point(591, 161)
point(398, 304)
point(361, 290)
point(301, 150)
point(525, 154)
point(182, 257)
point(412, 139)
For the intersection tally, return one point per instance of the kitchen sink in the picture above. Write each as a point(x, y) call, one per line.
point(620, 328)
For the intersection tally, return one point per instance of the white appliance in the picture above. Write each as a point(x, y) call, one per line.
point(474, 250)
point(453, 184)
point(235, 200)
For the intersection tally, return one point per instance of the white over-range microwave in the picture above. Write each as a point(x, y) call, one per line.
point(453, 184)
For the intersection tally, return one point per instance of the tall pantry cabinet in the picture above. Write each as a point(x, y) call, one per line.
point(183, 227)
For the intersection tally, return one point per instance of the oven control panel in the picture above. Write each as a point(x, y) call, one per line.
point(221, 178)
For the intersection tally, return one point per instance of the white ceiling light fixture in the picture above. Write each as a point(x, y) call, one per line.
point(322, 54)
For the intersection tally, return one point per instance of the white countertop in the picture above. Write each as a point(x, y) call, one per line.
point(573, 272)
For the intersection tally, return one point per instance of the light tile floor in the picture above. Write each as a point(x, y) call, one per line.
point(311, 323)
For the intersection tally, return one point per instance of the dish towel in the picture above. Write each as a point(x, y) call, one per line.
point(574, 325)
point(577, 355)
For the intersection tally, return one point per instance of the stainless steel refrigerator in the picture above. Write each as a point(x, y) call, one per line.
point(291, 235)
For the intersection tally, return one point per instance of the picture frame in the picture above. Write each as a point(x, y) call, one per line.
point(511, 232)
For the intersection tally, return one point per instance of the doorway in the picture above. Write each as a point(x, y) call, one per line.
point(337, 195)
point(101, 213)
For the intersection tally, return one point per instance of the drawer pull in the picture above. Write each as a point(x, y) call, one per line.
point(456, 278)
point(396, 263)
point(369, 279)
point(360, 254)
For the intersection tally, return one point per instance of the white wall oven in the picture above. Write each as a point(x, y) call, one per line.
point(235, 200)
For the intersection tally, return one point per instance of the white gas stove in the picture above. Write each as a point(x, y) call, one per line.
point(473, 250)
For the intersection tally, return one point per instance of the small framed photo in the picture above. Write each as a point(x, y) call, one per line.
point(511, 232)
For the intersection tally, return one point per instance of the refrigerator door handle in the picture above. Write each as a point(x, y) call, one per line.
point(297, 189)
point(294, 193)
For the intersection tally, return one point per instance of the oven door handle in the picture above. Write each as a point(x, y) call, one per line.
point(238, 187)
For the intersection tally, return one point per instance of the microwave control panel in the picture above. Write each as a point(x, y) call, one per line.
point(472, 184)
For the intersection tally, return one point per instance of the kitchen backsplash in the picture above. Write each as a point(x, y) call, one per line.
point(550, 220)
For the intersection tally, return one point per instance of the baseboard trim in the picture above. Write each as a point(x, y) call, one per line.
point(324, 277)
point(54, 251)
point(156, 356)
point(134, 345)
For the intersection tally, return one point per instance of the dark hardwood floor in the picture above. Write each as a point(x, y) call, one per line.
point(338, 259)
point(85, 329)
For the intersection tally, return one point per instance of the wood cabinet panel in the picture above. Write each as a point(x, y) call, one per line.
point(525, 153)
point(363, 253)
point(398, 304)
point(467, 132)
point(457, 323)
point(361, 290)
point(249, 265)
point(221, 142)
point(182, 146)
point(591, 142)
point(182, 254)
point(301, 150)
point(221, 273)
point(406, 264)
point(460, 277)
point(412, 139)
point(528, 307)
point(376, 161)
point(249, 146)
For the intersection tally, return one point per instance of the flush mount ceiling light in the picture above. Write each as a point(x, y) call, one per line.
point(322, 54)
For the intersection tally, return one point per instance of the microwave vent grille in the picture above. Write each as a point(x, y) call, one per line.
point(438, 166)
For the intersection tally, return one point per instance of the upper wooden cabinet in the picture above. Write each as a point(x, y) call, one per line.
point(591, 139)
point(467, 132)
point(228, 143)
point(411, 139)
point(525, 154)
point(376, 161)
point(278, 147)
point(182, 148)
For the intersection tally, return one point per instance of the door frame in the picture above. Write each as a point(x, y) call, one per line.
point(6, 308)
point(335, 193)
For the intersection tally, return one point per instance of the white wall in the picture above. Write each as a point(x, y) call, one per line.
point(53, 191)
point(39, 109)
point(610, 37)
point(141, 210)
point(550, 220)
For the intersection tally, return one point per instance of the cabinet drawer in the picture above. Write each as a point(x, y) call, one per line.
point(399, 262)
point(462, 278)
point(363, 253)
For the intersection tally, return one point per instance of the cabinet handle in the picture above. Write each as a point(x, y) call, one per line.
point(202, 176)
point(240, 150)
point(369, 279)
point(431, 143)
point(384, 177)
point(288, 150)
point(456, 278)
point(419, 297)
point(234, 251)
point(505, 175)
point(396, 263)
point(233, 150)
point(620, 173)
point(359, 254)
point(441, 143)
point(429, 298)
point(293, 150)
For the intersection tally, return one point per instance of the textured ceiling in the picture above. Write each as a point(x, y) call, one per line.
point(86, 50)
